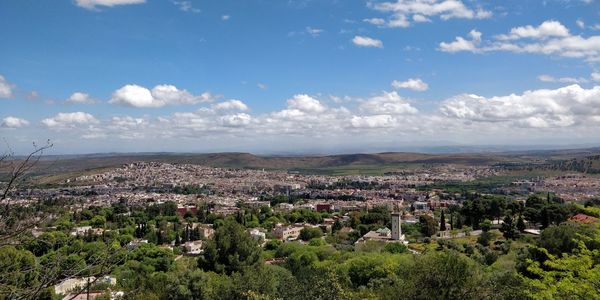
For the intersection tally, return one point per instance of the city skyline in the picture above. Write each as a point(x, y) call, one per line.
point(292, 76)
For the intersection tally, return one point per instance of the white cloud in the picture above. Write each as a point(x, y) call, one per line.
point(545, 30)
point(80, 98)
point(561, 107)
point(596, 76)
point(421, 11)
point(375, 21)
point(376, 121)
point(306, 104)
point(315, 32)
point(186, 6)
point(92, 4)
point(414, 84)
point(388, 103)
point(420, 19)
point(13, 122)
point(365, 41)
point(580, 23)
point(231, 105)
point(6, 88)
point(548, 78)
point(161, 95)
point(225, 17)
point(262, 86)
point(462, 44)
point(236, 120)
point(69, 120)
point(550, 38)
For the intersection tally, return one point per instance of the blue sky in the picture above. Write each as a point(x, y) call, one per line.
point(278, 76)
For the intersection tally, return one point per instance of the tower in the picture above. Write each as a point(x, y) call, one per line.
point(396, 226)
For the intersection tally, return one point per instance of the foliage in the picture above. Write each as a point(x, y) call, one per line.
point(230, 250)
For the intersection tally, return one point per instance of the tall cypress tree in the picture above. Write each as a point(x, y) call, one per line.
point(442, 222)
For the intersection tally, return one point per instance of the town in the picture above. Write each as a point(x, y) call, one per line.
point(178, 209)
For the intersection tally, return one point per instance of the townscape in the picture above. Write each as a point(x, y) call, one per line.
point(299, 150)
point(179, 209)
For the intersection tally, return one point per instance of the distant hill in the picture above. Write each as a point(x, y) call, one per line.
point(323, 164)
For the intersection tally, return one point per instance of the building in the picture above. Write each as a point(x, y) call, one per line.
point(258, 235)
point(193, 248)
point(396, 227)
point(206, 231)
point(287, 232)
point(325, 207)
point(385, 235)
point(76, 284)
point(83, 230)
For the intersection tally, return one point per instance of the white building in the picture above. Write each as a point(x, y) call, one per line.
point(193, 248)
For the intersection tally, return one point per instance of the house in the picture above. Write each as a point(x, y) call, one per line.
point(76, 284)
point(135, 244)
point(83, 230)
point(325, 207)
point(258, 235)
point(206, 232)
point(193, 248)
point(182, 210)
point(287, 232)
point(285, 206)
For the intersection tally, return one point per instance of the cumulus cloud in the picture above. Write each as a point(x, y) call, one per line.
point(413, 84)
point(236, 120)
point(80, 98)
point(6, 88)
point(561, 107)
point(231, 105)
point(69, 120)
point(401, 11)
point(462, 44)
point(376, 121)
point(549, 38)
point(388, 103)
point(92, 4)
point(365, 41)
point(306, 104)
point(545, 30)
point(13, 122)
point(161, 95)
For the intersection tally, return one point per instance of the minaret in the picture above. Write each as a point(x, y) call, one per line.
point(396, 226)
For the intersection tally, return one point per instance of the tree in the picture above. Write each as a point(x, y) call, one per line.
point(231, 249)
point(486, 225)
point(395, 248)
point(521, 224)
point(336, 226)
point(564, 237)
point(442, 221)
point(509, 228)
point(428, 225)
point(307, 234)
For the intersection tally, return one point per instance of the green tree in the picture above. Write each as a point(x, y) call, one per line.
point(428, 225)
point(442, 221)
point(231, 249)
point(395, 248)
point(308, 233)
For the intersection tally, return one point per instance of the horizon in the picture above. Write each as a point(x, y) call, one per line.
point(428, 150)
point(300, 77)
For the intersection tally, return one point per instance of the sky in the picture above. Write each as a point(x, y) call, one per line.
point(298, 76)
